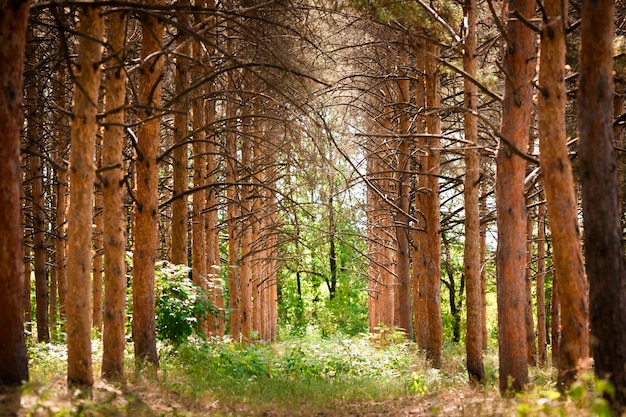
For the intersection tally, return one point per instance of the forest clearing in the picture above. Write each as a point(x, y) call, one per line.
point(312, 207)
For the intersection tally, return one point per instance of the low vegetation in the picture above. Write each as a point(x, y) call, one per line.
point(302, 377)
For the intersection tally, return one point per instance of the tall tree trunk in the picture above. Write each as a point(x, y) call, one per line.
point(433, 281)
point(540, 285)
point(60, 242)
point(530, 325)
point(198, 245)
point(147, 210)
point(232, 197)
point(555, 320)
point(114, 217)
point(510, 199)
point(560, 196)
point(471, 251)
point(483, 267)
point(216, 325)
point(603, 239)
point(97, 247)
point(246, 236)
point(420, 237)
point(87, 75)
point(403, 178)
point(13, 356)
point(35, 169)
point(180, 157)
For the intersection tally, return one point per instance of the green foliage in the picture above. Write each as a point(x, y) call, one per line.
point(181, 305)
point(310, 370)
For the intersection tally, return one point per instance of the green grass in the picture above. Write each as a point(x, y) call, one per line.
point(292, 374)
point(298, 377)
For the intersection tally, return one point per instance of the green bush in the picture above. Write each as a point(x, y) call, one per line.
point(181, 305)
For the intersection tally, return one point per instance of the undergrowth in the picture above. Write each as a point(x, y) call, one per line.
point(305, 376)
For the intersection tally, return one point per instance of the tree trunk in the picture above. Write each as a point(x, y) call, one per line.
point(232, 197)
point(35, 170)
point(97, 247)
point(530, 325)
point(87, 75)
point(483, 268)
point(246, 236)
point(471, 251)
point(180, 157)
point(603, 240)
point(198, 227)
point(146, 214)
point(510, 199)
point(433, 280)
point(540, 285)
point(403, 259)
point(560, 196)
point(216, 325)
point(13, 356)
point(114, 217)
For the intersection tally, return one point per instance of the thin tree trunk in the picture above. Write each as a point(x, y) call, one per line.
point(232, 197)
point(483, 268)
point(97, 247)
point(555, 320)
point(510, 200)
point(147, 210)
point(435, 324)
point(471, 251)
point(213, 261)
point(246, 238)
point(87, 75)
point(403, 261)
point(198, 245)
point(540, 285)
point(114, 217)
point(530, 325)
point(35, 169)
point(180, 157)
point(603, 238)
point(14, 369)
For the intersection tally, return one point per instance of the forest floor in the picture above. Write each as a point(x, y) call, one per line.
point(143, 400)
point(299, 379)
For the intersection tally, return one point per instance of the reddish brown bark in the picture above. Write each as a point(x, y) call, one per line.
point(435, 344)
point(403, 178)
point(180, 157)
point(232, 197)
point(510, 199)
point(471, 253)
point(80, 213)
point(146, 214)
point(560, 196)
point(14, 369)
point(114, 217)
